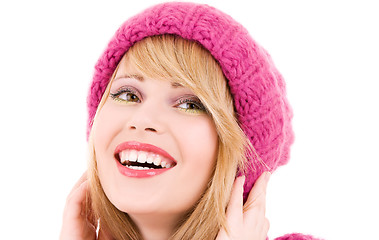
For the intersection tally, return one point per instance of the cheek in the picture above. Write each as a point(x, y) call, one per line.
point(103, 129)
point(200, 139)
point(109, 122)
point(198, 143)
point(108, 125)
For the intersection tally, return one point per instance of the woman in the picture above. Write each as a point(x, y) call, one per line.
point(182, 102)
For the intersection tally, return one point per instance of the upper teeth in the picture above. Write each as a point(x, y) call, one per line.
point(143, 157)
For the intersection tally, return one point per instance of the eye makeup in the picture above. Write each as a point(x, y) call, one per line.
point(188, 103)
point(126, 94)
point(191, 104)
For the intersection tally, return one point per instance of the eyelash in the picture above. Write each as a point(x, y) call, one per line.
point(199, 107)
point(196, 102)
point(116, 96)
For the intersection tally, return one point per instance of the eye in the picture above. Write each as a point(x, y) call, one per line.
point(126, 95)
point(192, 105)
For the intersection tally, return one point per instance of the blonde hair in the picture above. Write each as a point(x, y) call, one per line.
point(191, 65)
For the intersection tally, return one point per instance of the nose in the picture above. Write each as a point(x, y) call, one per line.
point(145, 117)
point(148, 129)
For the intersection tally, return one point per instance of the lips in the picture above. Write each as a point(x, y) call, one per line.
point(135, 159)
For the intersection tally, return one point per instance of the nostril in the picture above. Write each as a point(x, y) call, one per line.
point(150, 129)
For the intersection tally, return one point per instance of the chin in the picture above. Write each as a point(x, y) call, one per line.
point(146, 208)
point(146, 203)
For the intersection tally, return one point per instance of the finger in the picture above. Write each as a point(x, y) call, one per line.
point(87, 206)
point(255, 209)
point(75, 224)
point(74, 202)
point(79, 182)
point(234, 213)
point(234, 210)
point(266, 226)
point(257, 196)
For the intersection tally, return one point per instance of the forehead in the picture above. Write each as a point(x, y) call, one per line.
point(128, 69)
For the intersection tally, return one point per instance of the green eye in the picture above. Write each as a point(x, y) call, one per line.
point(191, 105)
point(125, 95)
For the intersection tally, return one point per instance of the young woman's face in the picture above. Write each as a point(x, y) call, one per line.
point(156, 124)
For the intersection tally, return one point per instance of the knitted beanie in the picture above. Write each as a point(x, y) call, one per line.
point(257, 87)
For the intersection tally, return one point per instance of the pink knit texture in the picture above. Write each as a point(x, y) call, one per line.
point(257, 87)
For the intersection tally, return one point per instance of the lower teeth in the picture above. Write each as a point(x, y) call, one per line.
point(138, 167)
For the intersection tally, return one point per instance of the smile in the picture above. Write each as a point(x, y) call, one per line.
point(136, 159)
point(139, 160)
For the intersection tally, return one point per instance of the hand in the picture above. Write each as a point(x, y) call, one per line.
point(77, 224)
point(247, 222)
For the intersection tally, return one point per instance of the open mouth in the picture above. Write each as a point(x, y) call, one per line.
point(142, 160)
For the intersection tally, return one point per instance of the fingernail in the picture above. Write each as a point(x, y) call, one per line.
point(267, 176)
point(243, 178)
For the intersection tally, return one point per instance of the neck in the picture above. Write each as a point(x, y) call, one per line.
point(155, 227)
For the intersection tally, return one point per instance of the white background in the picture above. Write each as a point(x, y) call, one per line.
point(327, 51)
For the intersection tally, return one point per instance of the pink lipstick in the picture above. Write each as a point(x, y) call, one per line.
point(140, 160)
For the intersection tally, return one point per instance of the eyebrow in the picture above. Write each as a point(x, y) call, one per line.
point(141, 78)
point(176, 85)
point(135, 76)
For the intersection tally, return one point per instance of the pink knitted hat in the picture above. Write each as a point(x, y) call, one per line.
point(256, 85)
